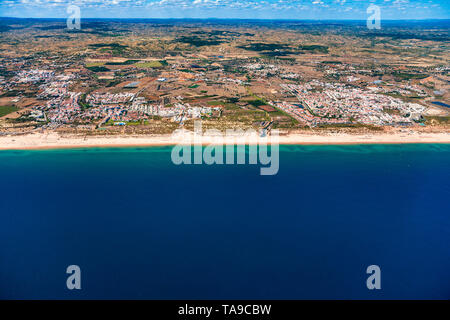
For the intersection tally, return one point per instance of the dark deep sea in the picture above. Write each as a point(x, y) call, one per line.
point(140, 227)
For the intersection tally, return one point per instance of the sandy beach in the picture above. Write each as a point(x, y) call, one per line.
point(54, 140)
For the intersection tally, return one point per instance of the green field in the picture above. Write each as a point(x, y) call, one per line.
point(98, 69)
point(7, 110)
point(149, 64)
point(216, 103)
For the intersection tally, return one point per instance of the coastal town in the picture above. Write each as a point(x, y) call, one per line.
point(120, 87)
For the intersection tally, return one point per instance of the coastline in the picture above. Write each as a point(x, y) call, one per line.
point(54, 140)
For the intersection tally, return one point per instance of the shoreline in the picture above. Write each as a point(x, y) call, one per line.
point(44, 141)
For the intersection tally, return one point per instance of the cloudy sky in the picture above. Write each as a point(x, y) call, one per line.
point(249, 9)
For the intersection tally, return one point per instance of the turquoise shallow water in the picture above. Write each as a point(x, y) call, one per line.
point(141, 227)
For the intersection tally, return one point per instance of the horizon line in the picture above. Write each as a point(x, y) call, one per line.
point(214, 18)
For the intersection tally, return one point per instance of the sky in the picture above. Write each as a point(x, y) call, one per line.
point(242, 9)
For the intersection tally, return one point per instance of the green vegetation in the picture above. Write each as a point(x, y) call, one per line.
point(112, 83)
point(331, 62)
point(258, 46)
point(314, 48)
point(269, 50)
point(124, 63)
point(149, 64)
point(98, 69)
point(108, 45)
point(279, 49)
point(233, 100)
point(11, 93)
point(4, 110)
point(199, 42)
point(257, 103)
point(409, 76)
point(82, 102)
point(114, 48)
point(22, 119)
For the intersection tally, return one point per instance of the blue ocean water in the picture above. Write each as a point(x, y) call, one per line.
point(140, 227)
